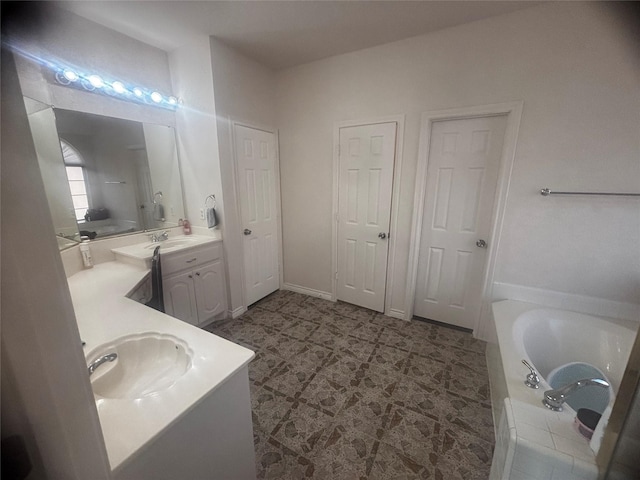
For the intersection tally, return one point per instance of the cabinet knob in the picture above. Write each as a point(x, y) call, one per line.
point(197, 274)
point(190, 276)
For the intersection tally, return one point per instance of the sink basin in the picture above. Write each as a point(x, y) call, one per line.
point(147, 363)
point(172, 243)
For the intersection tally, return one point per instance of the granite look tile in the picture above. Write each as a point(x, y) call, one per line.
point(389, 358)
point(427, 399)
point(269, 408)
point(282, 346)
point(300, 330)
point(397, 339)
point(275, 461)
point(391, 463)
point(274, 302)
point(376, 381)
point(263, 365)
point(339, 391)
point(366, 413)
point(272, 320)
point(468, 415)
point(355, 347)
point(468, 383)
point(292, 378)
point(426, 370)
point(345, 454)
point(416, 436)
point(302, 429)
point(464, 453)
point(325, 394)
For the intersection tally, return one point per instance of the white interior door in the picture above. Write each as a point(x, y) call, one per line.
point(462, 173)
point(256, 168)
point(365, 181)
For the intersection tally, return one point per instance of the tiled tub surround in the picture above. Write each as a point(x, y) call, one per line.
point(533, 442)
point(341, 392)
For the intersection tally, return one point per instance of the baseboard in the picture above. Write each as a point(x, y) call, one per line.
point(236, 312)
point(394, 313)
point(306, 291)
point(567, 301)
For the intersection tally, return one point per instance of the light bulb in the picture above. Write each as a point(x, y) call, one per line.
point(156, 97)
point(96, 81)
point(172, 100)
point(137, 92)
point(70, 75)
point(118, 87)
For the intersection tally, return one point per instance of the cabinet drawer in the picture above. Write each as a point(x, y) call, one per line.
point(190, 258)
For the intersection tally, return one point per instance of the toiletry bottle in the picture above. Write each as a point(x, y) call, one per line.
point(85, 251)
point(186, 227)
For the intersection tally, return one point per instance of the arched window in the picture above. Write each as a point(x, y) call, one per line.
point(74, 165)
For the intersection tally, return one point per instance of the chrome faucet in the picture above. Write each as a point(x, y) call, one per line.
point(553, 399)
point(109, 357)
point(158, 237)
point(533, 380)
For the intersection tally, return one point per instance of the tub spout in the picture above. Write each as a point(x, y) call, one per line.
point(553, 399)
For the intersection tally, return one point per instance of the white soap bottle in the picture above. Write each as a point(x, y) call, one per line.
point(85, 251)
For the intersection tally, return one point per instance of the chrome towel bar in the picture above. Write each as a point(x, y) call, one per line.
point(545, 192)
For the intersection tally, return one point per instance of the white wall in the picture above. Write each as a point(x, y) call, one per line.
point(196, 126)
point(244, 92)
point(41, 347)
point(577, 71)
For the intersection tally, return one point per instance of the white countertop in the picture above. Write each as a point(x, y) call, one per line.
point(104, 314)
point(144, 251)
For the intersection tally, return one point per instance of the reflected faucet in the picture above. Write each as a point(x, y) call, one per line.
point(159, 237)
point(109, 357)
point(553, 399)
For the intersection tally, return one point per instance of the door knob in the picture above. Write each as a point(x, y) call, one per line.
point(481, 243)
point(247, 231)
point(382, 235)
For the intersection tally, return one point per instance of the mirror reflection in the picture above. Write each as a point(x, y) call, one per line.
point(105, 176)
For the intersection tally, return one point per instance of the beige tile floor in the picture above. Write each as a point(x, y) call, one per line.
point(341, 392)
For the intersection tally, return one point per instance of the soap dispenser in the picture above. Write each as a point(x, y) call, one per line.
point(186, 227)
point(85, 251)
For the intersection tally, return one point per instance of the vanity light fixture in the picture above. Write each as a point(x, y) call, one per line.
point(116, 88)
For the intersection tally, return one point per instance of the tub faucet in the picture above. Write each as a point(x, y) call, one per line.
point(533, 379)
point(109, 357)
point(553, 399)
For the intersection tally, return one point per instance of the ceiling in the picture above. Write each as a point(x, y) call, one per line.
point(283, 34)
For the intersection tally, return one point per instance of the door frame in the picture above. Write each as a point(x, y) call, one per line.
point(513, 111)
point(236, 189)
point(399, 120)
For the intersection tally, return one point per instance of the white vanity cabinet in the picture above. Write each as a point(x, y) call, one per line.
point(194, 284)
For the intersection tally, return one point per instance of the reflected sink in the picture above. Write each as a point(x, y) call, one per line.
point(147, 363)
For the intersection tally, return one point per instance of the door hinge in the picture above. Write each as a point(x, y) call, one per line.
point(336, 275)
point(337, 217)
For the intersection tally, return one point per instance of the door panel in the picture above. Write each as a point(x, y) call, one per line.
point(367, 154)
point(462, 174)
point(256, 168)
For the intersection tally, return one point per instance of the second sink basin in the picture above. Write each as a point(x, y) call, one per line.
point(171, 243)
point(146, 364)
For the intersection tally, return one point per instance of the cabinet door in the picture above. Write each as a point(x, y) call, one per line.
point(180, 298)
point(210, 290)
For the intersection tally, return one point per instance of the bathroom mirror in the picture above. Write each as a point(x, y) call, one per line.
point(105, 176)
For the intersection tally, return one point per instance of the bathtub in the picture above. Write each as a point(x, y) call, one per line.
point(532, 442)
